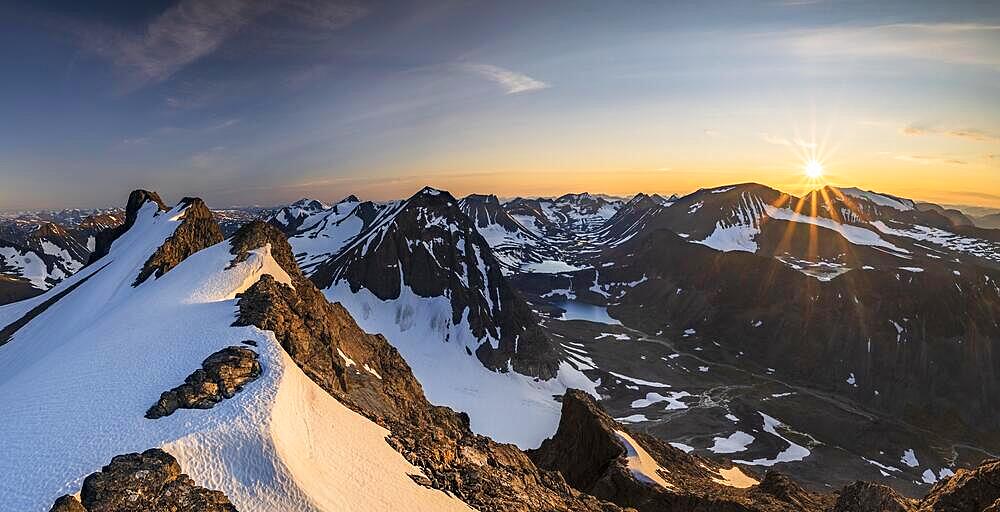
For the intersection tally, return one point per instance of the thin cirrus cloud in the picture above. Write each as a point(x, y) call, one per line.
point(193, 29)
point(511, 81)
point(957, 43)
point(929, 159)
point(968, 133)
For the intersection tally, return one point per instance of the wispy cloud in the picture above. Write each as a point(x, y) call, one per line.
point(957, 43)
point(967, 133)
point(193, 29)
point(929, 159)
point(511, 81)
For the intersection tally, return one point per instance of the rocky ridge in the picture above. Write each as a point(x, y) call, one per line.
point(197, 231)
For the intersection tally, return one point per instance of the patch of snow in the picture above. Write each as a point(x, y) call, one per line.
point(635, 418)
point(640, 381)
point(683, 447)
point(642, 466)
point(793, 453)
point(909, 458)
point(879, 199)
point(672, 399)
point(736, 442)
point(854, 234)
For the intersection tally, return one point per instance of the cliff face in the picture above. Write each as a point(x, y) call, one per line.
point(197, 231)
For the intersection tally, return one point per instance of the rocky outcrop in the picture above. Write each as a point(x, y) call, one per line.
point(105, 238)
point(785, 489)
point(67, 503)
point(968, 490)
point(221, 376)
point(598, 456)
point(367, 374)
point(871, 497)
point(197, 231)
point(150, 481)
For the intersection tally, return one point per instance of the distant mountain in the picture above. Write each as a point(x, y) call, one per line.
point(991, 221)
point(855, 292)
point(516, 247)
point(573, 212)
point(40, 256)
point(290, 218)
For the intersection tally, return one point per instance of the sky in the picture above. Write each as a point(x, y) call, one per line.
point(266, 101)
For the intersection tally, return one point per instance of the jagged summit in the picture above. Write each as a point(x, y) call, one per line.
point(428, 245)
point(136, 201)
point(196, 231)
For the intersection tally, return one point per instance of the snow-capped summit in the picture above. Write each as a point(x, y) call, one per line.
point(290, 218)
point(422, 274)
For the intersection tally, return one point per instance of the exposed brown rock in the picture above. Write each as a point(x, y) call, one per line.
point(67, 503)
point(972, 490)
point(487, 475)
point(150, 481)
point(586, 449)
point(197, 231)
point(871, 497)
point(786, 490)
point(221, 376)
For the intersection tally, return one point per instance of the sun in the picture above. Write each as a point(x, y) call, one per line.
point(814, 169)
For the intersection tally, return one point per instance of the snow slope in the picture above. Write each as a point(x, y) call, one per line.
point(76, 381)
point(509, 407)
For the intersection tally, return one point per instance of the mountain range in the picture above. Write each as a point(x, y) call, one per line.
point(738, 348)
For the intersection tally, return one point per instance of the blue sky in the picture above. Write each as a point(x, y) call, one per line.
point(264, 101)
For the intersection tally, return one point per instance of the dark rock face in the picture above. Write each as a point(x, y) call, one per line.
point(786, 490)
point(221, 376)
point(582, 425)
point(589, 453)
point(870, 497)
point(135, 201)
point(150, 481)
point(334, 352)
point(969, 490)
point(197, 231)
point(431, 246)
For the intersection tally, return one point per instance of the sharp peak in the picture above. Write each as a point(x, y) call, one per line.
point(429, 192)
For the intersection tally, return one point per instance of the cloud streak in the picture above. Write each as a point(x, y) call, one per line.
point(511, 81)
point(968, 133)
point(193, 29)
